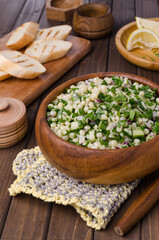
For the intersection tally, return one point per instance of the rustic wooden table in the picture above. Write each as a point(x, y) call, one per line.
point(27, 218)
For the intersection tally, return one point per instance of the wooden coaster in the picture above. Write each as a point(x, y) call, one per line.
point(12, 114)
point(16, 131)
point(13, 121)
point(14, 138)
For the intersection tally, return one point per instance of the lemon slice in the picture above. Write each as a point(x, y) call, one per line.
point(142, 38)
point(148, 24)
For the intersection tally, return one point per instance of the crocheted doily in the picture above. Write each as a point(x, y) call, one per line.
point(95, 203)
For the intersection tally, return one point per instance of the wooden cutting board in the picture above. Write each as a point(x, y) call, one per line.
point(28, 90)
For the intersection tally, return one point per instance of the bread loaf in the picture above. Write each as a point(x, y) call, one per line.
point(57, 32)
point(3, 75)
point(47, 50)
point(23, 35)
point(20, 65)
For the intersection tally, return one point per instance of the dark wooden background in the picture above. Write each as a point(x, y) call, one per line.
point(27, 218)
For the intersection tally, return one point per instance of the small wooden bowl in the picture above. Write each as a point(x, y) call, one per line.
point(93, 21)
point(140, 57)
point(94, 165)
point(61, 10)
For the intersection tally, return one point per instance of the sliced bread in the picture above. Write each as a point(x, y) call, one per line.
point(57, 32)
point(3, 75)
point(23, 35)
point(48, 50)
point(20, 65)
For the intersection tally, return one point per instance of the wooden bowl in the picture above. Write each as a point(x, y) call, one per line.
point(140, 57)
point(61, 10)
point(95, 165)
point(93, 21)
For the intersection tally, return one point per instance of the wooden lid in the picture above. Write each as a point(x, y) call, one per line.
point(13, 121)
point(12, 114)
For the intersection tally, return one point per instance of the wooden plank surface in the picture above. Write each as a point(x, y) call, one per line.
point(118, 64)
point(24, 217)
point(150, 223)
point(7, 18)
point(28, 90)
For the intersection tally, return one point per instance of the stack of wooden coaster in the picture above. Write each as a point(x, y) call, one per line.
point(13, 121)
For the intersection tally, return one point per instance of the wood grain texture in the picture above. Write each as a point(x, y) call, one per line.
point(5, 155)
point(28, 90)
point(74, 228)
point(13, 116)
point(25, 211)
point(13, 121)
point(61, 10)
point(95, 166)
point(28, 218)
point(14, 137)
point(62, 217)
point(138, 209)
point(140, 57)
point(3, 104)
point(150, 223)
point(109, 234)
point(103, 57)
point(8, 24)
point(28, 227)
point(93, 21)
point(116, 62)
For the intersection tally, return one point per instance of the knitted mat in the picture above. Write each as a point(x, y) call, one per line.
point(96, 203)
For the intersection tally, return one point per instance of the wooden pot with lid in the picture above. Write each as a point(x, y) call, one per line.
point(93, 21)
point(13, 121)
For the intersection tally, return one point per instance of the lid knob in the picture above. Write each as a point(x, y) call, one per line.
point(3, 104)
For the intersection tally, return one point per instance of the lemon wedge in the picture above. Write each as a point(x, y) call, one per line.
point(142, 38)
point(148, 24)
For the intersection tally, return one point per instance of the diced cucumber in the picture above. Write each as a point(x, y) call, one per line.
point(138, 133)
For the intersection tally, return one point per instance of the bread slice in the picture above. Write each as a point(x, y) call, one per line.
point(23, 35)
point(3, 75)
point(57, 32)
point(48, 50)
point(20, 65)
